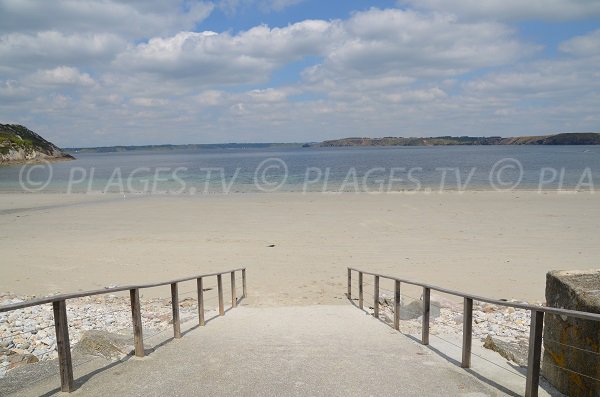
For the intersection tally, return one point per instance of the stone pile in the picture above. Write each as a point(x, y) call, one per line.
point(27, 335)
point(504, 324)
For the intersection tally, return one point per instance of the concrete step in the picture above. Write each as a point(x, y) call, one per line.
point(308, 350)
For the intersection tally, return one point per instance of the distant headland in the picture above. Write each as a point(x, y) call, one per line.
point(18, 144)
point(574, 138)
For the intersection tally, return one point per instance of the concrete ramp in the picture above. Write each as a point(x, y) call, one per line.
point(282, 351)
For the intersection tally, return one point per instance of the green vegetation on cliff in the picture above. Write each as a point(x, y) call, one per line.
point(20, 144)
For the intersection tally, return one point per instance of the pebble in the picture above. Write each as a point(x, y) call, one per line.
point(488, 319)
point(31, 330)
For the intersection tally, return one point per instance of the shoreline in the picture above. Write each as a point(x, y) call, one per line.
point(36, 160)
point(425, 191)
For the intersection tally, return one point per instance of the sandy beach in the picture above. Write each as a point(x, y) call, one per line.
point(490, 243)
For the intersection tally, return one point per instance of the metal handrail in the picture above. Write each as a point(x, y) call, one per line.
point(516, 305)
point(535, 327)
point(55, 298)
point(62, 328)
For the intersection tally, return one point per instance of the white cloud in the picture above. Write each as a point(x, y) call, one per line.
point(586, 45)
point(553, 10)
point(149, 102)
point(128, 73)
point(62, 75)
point(11, 91)
point(21, 52)
point(134, 19)
point(213, 59)
point(406, 43)
point(426, 95)
point(391, 44)
point(231, 7)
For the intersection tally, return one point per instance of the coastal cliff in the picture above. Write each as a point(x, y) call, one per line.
point(18, 144)
point(575, 138)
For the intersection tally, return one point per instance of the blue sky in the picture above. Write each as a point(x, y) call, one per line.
point(95, 72)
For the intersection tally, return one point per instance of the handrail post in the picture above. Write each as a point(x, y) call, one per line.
point(244, 290)
point(535, 353)
point(467, 332)
point(397, 305)
point(136, 320)
point(233, 291)
point(200, 285)
point(376, 297)
point(349, 283)
point(360, 290)
point(220, 289)
point(175, 305)
point(63, 345)
point(426, 313)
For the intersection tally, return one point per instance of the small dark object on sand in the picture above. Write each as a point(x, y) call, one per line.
point(271, 245)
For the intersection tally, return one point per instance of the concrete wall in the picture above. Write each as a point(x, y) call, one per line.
point(572, 343)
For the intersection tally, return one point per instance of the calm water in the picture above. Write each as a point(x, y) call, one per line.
point(315, 169)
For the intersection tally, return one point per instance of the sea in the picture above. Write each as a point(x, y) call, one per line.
point(328, 170)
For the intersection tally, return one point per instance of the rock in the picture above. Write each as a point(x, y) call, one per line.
point(569, 342)
point(415, 310)
point(105, 344)
point(19, 359)
point(489, 308)
point(445, 303)
point(512, 351)
point(32, 329)
point(5, 353)
point(187, 302)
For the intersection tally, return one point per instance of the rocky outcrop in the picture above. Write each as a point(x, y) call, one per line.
point(18, 144)
point(572, 346)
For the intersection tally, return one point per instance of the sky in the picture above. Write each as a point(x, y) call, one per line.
point(107, 72)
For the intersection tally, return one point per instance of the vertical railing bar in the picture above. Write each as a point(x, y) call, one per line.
point(397, 305)
point(426, 314)
point(360, 290)
point(467, 332)
point(535, 352)
point(175, 306)
point(136, 320)
point(200, 285)
point(63, 345)
point(233, 291)
point(220, 290)
point(349, 283)
point(376, 297)
point(244, 291)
